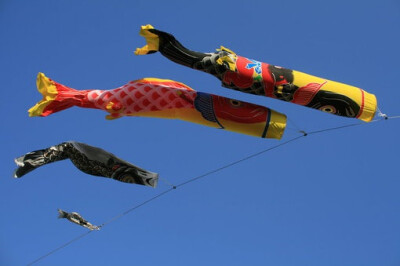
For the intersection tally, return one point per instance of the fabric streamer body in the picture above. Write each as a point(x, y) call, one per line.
point(251, 76)
point(160, 98)
point(90, 160)
point(76, 218)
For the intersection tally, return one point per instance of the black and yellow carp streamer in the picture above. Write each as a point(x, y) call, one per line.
point(193, 179)
point(252, 76)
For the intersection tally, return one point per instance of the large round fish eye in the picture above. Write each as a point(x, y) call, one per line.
point(235, 103)
point(328, 109)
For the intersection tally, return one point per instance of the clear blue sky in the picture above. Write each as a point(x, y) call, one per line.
point(327, 199)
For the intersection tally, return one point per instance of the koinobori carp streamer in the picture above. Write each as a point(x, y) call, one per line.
point(151, 97)
point(89, 159)
point(76, 218)
point(251, 76)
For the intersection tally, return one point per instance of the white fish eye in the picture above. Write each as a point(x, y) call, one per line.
point(328, 108)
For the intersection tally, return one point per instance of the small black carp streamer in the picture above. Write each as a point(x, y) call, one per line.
point(77, 219)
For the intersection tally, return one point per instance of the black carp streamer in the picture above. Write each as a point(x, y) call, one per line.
point(90, 160)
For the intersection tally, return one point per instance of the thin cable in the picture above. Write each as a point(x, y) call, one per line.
point(238, 161)
point(295, 125)
point(109, 221)
point(60, 247)
point(350, 125)
point(136, 207)
point(291, 129)
point(335, 128)
point(165, 181)
point(196, 178)
point(163, 193)
point(381, 114)
point(204, 175)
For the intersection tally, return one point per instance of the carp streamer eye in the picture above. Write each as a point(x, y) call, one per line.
point(328, 109)
point(235, 103)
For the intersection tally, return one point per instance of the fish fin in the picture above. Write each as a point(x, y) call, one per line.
point(56, 97)
point(49, 91)
point(20, 163)
point(204, 104)
point(222, 48)
point(229, 59)
point(153, 41)
point(115, 109)
point(114, 106)
point(113, 116)
point(61, 213)
point(29, 162)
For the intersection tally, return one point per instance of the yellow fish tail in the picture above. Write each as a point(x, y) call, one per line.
point(49, 91)
point(153, 41)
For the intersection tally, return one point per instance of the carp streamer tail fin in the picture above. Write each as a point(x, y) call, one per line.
point(153, 41)
point(35, 159)
point(49, 91)
point(56, 97)
point(29, 162)
point(62, 214)
point(169, 47)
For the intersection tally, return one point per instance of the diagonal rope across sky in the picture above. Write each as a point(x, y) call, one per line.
point(193, 179)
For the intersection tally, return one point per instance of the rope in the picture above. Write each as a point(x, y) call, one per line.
point(335, 128)
point(380, 114)
point(304, 133)
point(294, 124)
point(163, 193)
point(136, 207)
point(60, 247)
point(236, 162)
point(166, 182)
point(385, 117)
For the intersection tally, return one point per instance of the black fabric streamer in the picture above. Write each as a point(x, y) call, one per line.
point(88, 159)
point(172, 49)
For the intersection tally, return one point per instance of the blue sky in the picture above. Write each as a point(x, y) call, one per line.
point(326, 199)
